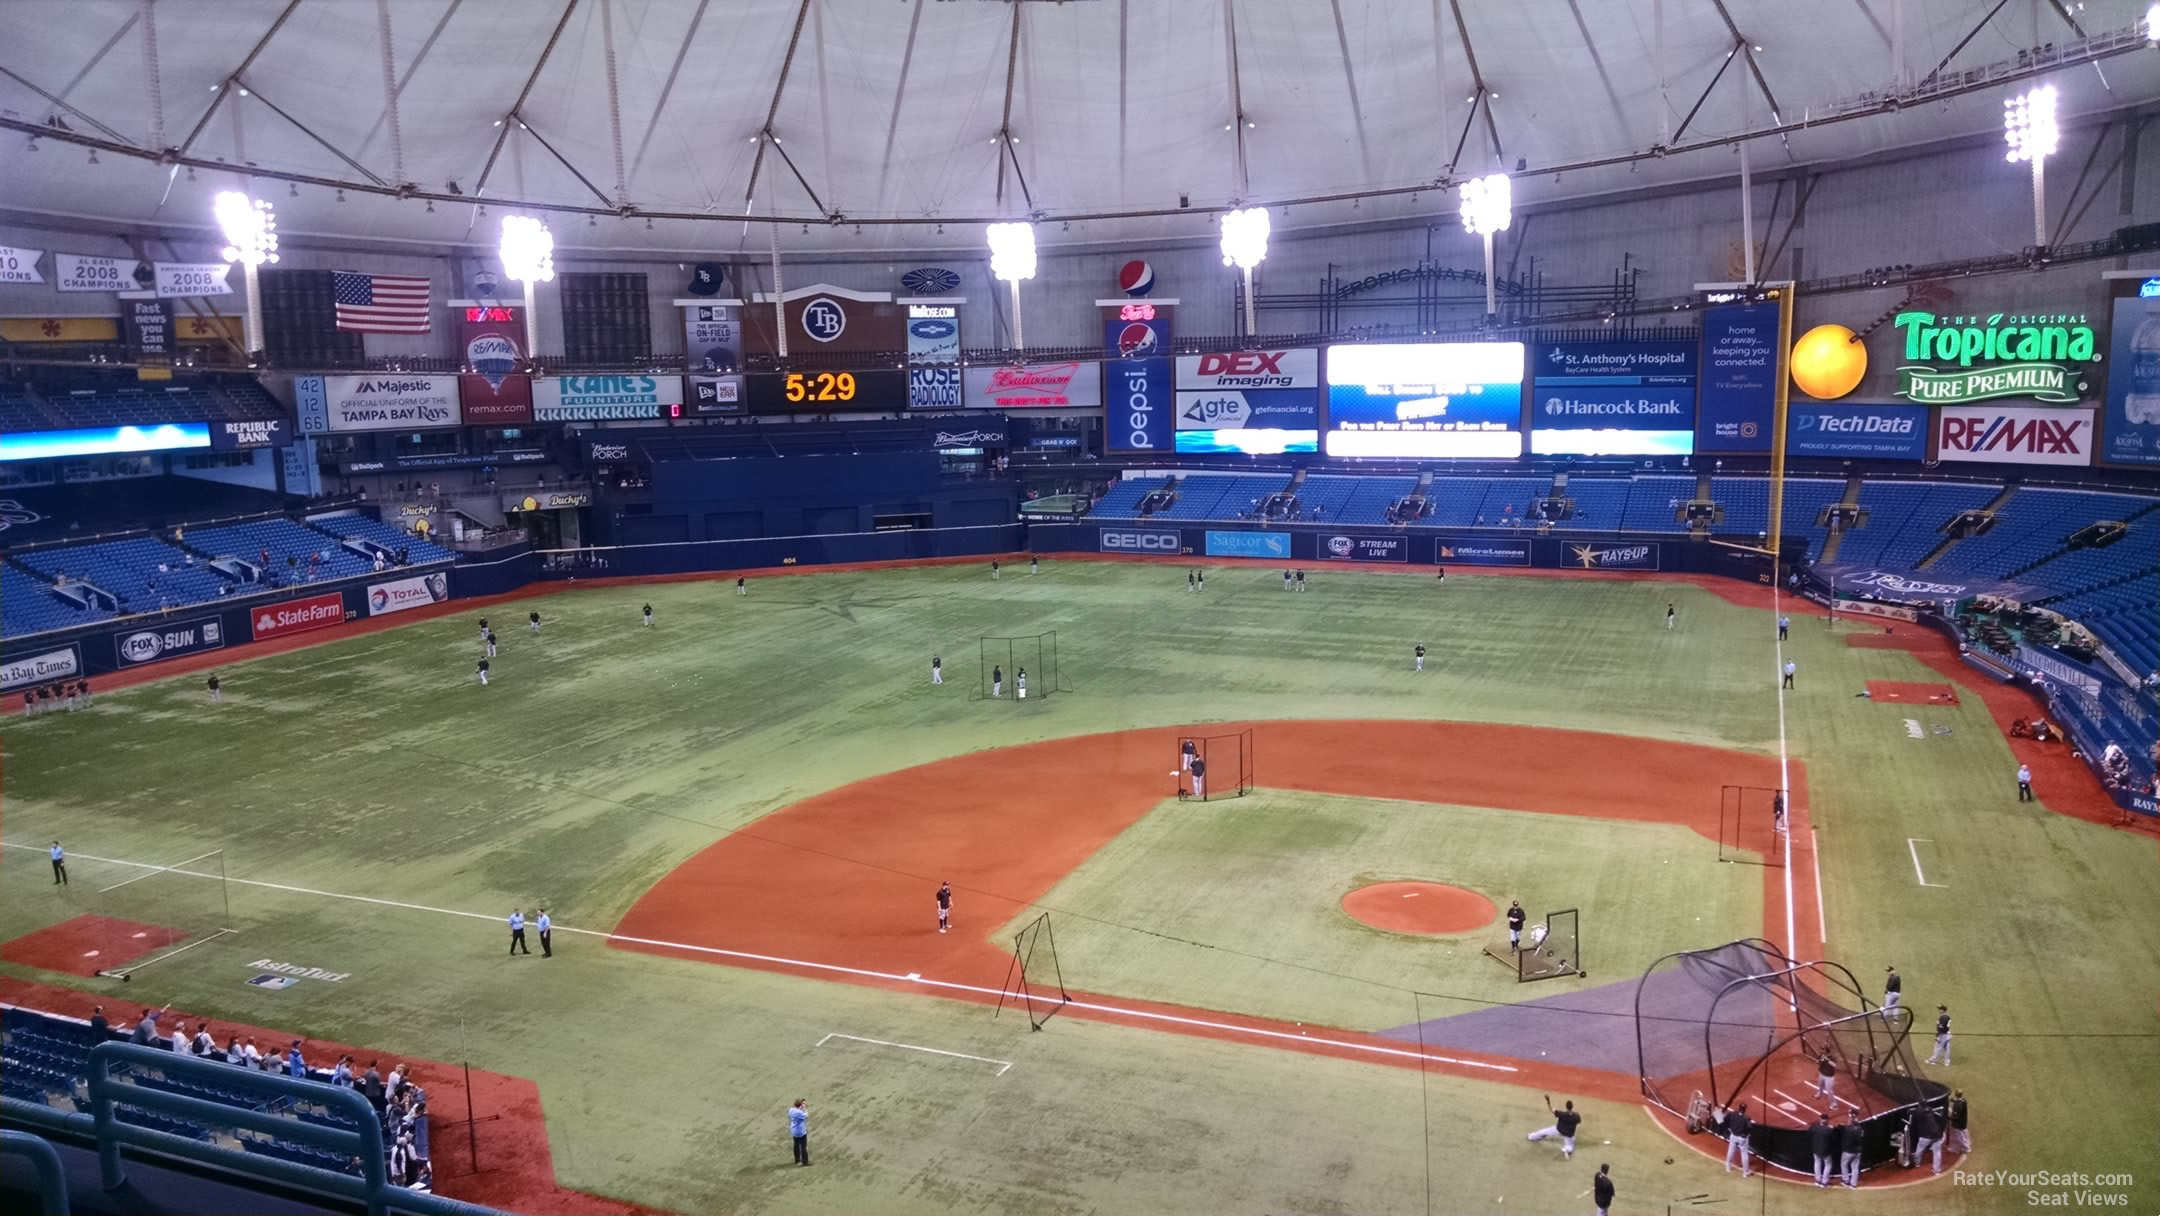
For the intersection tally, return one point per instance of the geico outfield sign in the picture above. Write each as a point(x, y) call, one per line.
point(2003, 355)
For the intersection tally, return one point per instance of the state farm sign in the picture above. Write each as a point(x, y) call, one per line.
point(298, 616)
point(2014, 434)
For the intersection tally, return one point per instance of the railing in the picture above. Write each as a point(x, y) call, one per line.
point(45, 1160)
point(363, 1140)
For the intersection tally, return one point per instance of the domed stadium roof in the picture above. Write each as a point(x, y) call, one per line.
point(663, 121)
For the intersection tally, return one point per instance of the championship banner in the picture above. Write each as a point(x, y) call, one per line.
point(1037, 386)
point(168, 641)
point(492, 337)
point(713, 338)
point(398, 595)
point(1485, 552)
point(178, 279)
point(29, 671)
point(1612, 557)
point(79, 272)
point(376, 403)
point(933, 334)
point(606, 398)
point(20, 265)
point(230, 436)
point(1363, 549)
point(299, 616)
point(148, 325)
point(1738, 393)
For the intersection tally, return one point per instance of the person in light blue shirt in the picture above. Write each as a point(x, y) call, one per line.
point(547, 934)
point(341, 1076)
point(798, 1126)
point(517, 932)
point(59, 865)
point(295, 1063)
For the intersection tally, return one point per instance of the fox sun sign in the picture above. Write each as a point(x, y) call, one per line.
point(1953, 360)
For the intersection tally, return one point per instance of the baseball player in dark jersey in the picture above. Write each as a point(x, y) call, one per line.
point(1198, 773)
point(1941, 1054)
point(1823, 1143)
point(648, 616)
point(1851, 1138)
point(944, 906)
point(1515, 918)
point(489, 637)
point(1565, 1121)
point(1893, 991)
point(1738, 1130)
point(937, 670)
point(1420, 655)
point(535, 619)
point(213, 685)
point(997, 680)
point(1601, 1189)
point(741, 587)
point(482, 670)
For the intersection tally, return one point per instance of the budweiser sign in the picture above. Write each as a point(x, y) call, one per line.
point(1038, 386)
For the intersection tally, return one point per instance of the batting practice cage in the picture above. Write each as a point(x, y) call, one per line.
point(1750, 822)
point(1034, 982)
point(1742, 1023)
point(1006, 660)
point(1550, 947)
point(149, 913)
point(1228, 761)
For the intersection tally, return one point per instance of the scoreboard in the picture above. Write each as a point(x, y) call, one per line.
point(824, 392)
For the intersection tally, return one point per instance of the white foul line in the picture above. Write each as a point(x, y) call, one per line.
point(1912, 846)
point(957, 1055)
point(1822, 907)
point(1145, 1015)
point(1784, 760)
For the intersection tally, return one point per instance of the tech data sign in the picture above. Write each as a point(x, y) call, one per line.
point(2014, 434)
point(2004, 355)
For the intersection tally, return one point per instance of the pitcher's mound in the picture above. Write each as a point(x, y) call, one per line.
point(1419, 907)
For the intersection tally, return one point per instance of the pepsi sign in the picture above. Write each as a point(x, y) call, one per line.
point(1136, 278)
point(1138, 405)
point(1135, 338)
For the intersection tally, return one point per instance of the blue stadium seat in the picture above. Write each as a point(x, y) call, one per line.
point(353, 525)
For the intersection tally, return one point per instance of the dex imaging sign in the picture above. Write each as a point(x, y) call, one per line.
point(2014, 434)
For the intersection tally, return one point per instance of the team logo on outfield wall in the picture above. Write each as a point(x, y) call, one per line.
point(1613, 557)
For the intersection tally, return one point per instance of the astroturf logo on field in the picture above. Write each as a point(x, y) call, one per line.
point(294, 969)
point(2001, 355)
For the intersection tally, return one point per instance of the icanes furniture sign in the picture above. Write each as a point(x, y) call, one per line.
point(605, 398)
point(1954, 359)
point(377, 403)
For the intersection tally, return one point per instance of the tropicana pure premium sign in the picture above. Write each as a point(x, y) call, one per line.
point(1952, 360)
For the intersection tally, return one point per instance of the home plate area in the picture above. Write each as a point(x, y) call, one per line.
point(87, 945)
point(1906, 692)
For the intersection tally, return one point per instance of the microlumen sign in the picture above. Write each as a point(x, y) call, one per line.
point(2003, 355)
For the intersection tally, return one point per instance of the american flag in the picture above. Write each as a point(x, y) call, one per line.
point(380, 303)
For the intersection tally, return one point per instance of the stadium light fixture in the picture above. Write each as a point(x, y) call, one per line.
point(2029, 127)
point(1488, 206)
point(2152, 24)
point(1244, 245)
point(528, 256)
point(250, 228)
point(1012, 258)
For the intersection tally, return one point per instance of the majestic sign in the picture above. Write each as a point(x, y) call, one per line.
point(400, 594)
point(168, 641)
point(30, 670)
point(79, 272)
point(1613, 557)
point(1738, 394)
point(1138, 405)
point(1363, 549)
point(1121, 540)
point(1874, 432)
point(2132, 422)
point(1035, 386)
point(494, 393)
point(177, 279)
point(376, 403)
point(2014, 434)
point(298, 616)
point(2017, 355)
point(605, 398)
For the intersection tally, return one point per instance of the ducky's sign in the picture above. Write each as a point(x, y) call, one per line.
point(1953, 360)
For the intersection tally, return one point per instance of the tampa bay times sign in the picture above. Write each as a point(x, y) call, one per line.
point(1951, 360)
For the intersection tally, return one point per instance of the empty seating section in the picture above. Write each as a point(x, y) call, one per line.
point(251, 400)
point(1509, 498)
point(1905, 519)
point(1599, 503)
point(46, 1061)
point(2033, 524)
point(2121, 616)
point(128, 569)
point(1452, 502)
point(1324, 498)
point(291, 547)
point(133, 406)
point(1221, 497)
point(62, 401)
point(28, 604)
point(1654, 502)
point(1123, 499)
point(354, 526)
point(19, 411)
point(1368, 503)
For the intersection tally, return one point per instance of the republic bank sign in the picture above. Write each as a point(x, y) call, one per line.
point(1954, 360)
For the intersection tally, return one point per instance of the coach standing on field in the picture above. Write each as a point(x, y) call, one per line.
point(59, 865)
point(517, 932)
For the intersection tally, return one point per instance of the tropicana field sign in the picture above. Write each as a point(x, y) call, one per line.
point(2002, 355)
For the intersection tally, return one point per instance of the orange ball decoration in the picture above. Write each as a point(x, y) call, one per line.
point(1828, 362)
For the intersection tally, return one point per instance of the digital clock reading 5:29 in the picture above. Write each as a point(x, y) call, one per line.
point(820, 387)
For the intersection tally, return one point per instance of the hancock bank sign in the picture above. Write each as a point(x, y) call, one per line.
point(2003, 355)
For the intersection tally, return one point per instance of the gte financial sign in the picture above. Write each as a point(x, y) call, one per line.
point(2003, 355)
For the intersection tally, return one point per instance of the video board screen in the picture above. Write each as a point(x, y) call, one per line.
point(1428, 399)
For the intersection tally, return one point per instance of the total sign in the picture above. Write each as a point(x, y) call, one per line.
point(2014, 434)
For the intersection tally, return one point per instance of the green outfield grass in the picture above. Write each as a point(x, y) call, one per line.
point(605, 754)
point(1239, 904)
